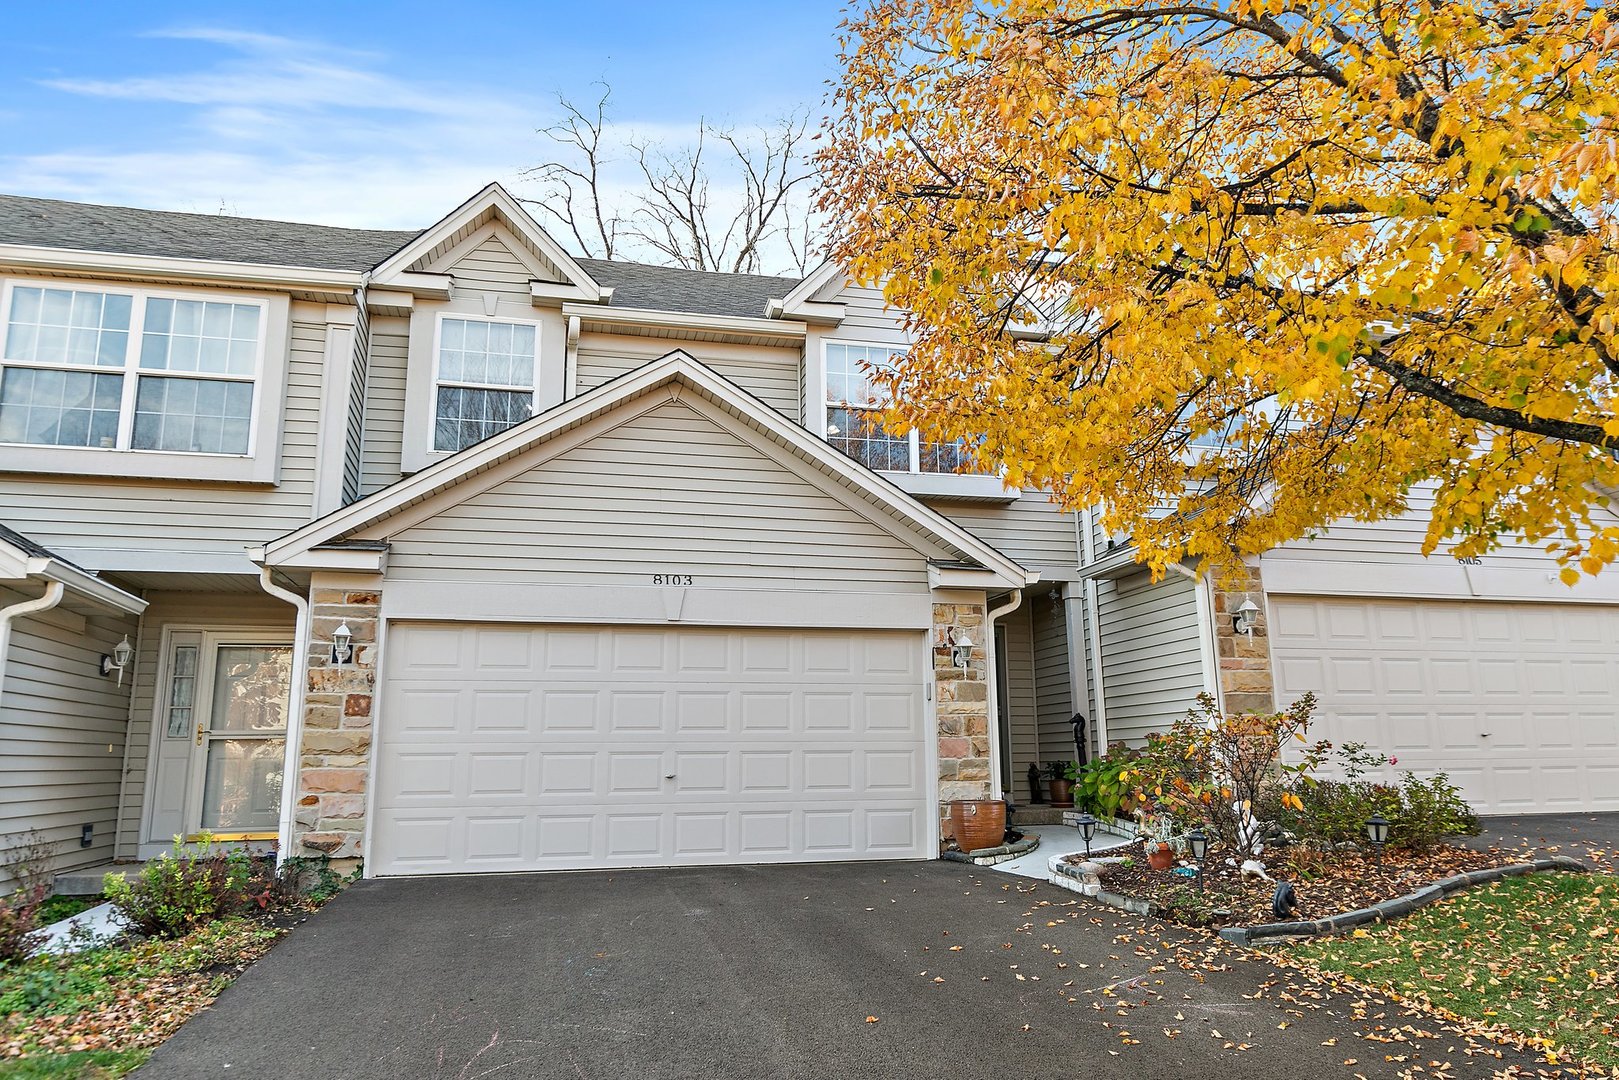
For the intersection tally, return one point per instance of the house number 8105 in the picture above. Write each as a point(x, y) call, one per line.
point(671, 579)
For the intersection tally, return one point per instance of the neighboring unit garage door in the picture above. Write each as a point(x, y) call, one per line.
point(1519, 703)
point(512, 747)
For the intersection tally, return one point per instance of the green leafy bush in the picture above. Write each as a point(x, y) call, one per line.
point(1421, 812)
point(175, 893)
point(28, 863)
point(1104, 786)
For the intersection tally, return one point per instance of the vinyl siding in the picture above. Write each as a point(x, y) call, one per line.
point(191, 610)
point(867, 317)
point(62, 731)
point(1021, 703)
point(1052, 692)
point(771, 375)
point(492, 268)
point(1152, 666)
point(1031, 530)
point(667, 487)
point(384, 404)
point(72, 513)
point(354, 443)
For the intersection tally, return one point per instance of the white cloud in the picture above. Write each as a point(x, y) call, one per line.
point(304, 131)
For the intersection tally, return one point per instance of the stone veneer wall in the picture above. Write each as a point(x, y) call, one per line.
point(1246, 682)
point(962, 708)
point(335, 756)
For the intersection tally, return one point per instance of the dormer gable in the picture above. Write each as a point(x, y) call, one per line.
point(426, 265)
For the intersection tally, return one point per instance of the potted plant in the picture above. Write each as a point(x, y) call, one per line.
point(1155, 826)
point(1061, 774)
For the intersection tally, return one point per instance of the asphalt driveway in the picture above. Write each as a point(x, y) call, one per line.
point(1593, 838)
point(773, 972)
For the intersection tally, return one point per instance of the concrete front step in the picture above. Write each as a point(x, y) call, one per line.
point(88, 881)
point(1038, 814)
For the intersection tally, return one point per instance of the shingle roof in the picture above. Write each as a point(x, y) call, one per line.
point(165, 233)
point(31, 548)
point(54, 223)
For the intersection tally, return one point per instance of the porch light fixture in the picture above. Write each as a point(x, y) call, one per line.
point(1377, 831)
point(961, 649)
point(1245, 618)
point(341, 647)
point(119, 660)
point(1198, 841)
point(1087, 829)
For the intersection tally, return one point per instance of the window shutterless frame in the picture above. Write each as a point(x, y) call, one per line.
point(438, 383)
point(131, 370)
point(913, 438)
point(260, 464)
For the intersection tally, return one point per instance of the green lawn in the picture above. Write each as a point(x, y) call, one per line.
point(84, 1065)
point(1538, 955)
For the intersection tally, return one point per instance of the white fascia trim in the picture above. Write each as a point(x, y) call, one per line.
point(800, 300)
point(677, 320)
point(199, 271)
point(965, 577)
point(82, 583)
point(509, 210)
point(345, 560)
point(676, 366)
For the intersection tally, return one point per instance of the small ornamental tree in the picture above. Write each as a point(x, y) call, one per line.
point(1228, 771)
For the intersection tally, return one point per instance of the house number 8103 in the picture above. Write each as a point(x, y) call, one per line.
point(671, 579)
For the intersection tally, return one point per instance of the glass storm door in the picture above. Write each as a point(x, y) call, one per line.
point(240, 746)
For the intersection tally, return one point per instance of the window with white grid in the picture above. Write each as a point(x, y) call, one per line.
point(128, 370)
point(854, 405)
point(485, 379)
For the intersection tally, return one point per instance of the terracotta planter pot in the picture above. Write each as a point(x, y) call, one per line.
point(1062, 792)
point(978, 823)
point(1160, 856)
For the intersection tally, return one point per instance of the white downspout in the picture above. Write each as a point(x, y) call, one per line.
point(295, 710)
point(992, 690)
point(570, 361)
point(1093, 631)
point(52, 597)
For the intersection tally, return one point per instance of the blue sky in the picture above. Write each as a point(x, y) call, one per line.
point(369, 115)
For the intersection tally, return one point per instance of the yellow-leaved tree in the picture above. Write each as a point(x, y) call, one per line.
point(1234, 269)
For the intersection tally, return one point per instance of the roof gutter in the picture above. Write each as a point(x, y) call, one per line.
point(103, 263)
point(650, 318)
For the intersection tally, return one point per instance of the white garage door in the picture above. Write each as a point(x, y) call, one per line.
point(1519, 703)
point(551, 747)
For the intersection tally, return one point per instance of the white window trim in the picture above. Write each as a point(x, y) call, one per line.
point(422, 363)
point(913, 480)
point(262, 462)
point(433, 388)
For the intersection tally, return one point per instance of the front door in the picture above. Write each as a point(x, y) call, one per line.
point(221, 737)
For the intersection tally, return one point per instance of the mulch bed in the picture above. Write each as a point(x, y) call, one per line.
point(1339, 882)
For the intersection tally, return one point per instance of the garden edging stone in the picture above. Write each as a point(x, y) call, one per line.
point(991, 855)
point(1399, 905)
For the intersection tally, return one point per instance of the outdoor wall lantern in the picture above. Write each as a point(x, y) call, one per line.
point(119, 660)
point(1377, 831)
point(1087, 829)
point(961, 649)
point(342, 648)
point(1245, 618)
point(1198, 841)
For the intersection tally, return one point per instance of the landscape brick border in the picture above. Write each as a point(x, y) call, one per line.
point(991, 855)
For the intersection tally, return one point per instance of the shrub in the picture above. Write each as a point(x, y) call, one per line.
point(175, 893)
point(1421, 812)
point(1227, 770)
point(1103, 786)
point(28, 863)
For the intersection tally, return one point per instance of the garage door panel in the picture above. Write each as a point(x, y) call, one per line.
point(611, 747)
point(1521, 701)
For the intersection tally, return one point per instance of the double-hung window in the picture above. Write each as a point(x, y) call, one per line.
point(129, 370)
point(854, 405)
point(484, 379)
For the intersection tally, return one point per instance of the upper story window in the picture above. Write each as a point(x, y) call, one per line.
point(854, 404)
point(484, 379)
point(128, 370)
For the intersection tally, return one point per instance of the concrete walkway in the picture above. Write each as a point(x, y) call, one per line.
point(1056, 840)
point(859, 970)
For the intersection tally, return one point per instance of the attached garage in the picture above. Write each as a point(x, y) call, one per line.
point(659, 625)
point(1518, 702)
point(515, 747)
